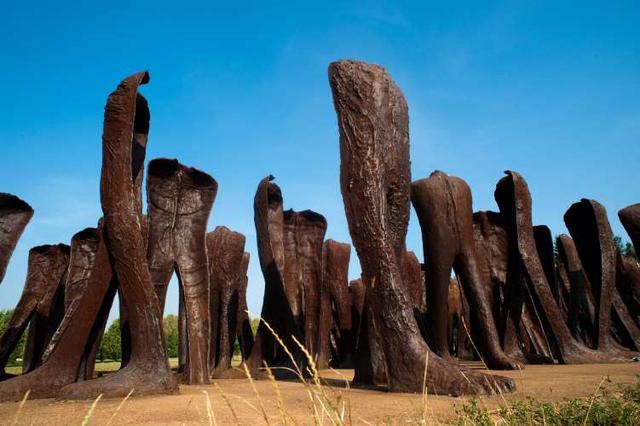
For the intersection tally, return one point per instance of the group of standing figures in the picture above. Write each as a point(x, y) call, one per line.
point(514, 299)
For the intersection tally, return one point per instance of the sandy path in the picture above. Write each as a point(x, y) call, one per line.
point(189, 407)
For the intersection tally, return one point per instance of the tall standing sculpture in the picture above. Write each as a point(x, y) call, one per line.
point(180, 200)
point(47, 265)
point(126, 128)
point(304, 235)
point(276, 310)
point(443, 206)
point(513, 198)
point(15, 214)
point(630, 218)
point(375, 182)
point(225, 249)
point(588, 224)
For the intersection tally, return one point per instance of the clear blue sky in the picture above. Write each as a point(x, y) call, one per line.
point(548, 89)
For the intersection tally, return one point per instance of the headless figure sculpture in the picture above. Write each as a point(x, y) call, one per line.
point(15, 214)
point(443, 205)
point(180, 200)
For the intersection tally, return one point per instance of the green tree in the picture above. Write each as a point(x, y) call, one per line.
point(170, 325)
point(18, 352)
point(110, 347)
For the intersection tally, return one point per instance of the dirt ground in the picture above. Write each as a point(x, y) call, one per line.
point(550, 383)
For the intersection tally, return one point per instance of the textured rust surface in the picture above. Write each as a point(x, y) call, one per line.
point(47, 265)
point(581, 311)
point(243, 324)
point(443, 206)
point(180, 201)
point(304, 236)
point(335, 305)
point(276, 310)
point(513, 198)
point(225, 249)
point(15, 214)
point(126, 126)
point(90, 276)
point(375, 181)
point(630, 218)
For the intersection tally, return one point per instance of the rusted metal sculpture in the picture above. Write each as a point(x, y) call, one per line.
point(47, 265)
point(513, 198)
point(443, 206)
point(581, 310)
point(225, 249)
point(630, 218)
point(588, 224)
point(243, 324)
point(334, 301)
point(304, 235)
point(89, 270)
point(126, 128)
point(459, 323)
point(413, 278)
point(15, 214)
point(276, 309)
point(628, 284)
point(180, 200)
point(375, 182)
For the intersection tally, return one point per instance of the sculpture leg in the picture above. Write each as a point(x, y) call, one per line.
point(195, 283)
point(492, 353)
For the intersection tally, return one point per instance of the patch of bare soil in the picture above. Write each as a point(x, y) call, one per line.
point(549, 383)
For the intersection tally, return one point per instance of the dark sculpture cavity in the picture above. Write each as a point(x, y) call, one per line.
point(180, 200)
point(47, 265)
point(225, 250)
point(15, 214)
point(443, 206)
point(375, 182)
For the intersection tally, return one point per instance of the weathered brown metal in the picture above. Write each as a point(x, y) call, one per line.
point(414, 279)
point(47, 265)
point(513, 198)
point(443, 206)
point(180, 200)
point(581, 310)
point(375, 181)
point(459, 322)
point(15, 214)
point(125, 133)
point(628, 284)
point(334, 295)
point(225, 249)
point(630, 218)
point(276, 310)
point(88, 280)
point(243, 323)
